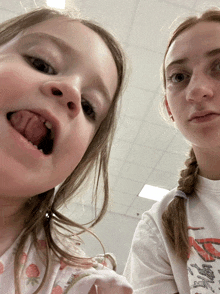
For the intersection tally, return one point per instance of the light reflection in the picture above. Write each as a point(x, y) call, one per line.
point(60, 4)
point(153, 193)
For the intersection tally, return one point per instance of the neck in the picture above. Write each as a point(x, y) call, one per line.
point(208, 162)
point(11, 222)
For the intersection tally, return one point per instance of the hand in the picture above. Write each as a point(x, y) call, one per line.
point(110, 283)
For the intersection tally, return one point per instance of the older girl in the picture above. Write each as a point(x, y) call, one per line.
point(176, 246)
point(60, 80)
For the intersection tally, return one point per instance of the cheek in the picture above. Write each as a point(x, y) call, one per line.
point(75, 145)
point(14, 83)
point(176, 104)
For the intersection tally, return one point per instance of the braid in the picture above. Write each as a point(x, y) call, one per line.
point(188, 176)
point(174, 217)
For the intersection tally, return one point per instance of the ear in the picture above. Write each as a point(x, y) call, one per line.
point(168, 108)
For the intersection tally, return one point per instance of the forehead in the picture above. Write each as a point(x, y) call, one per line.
point(201, 38)
point(72, 32)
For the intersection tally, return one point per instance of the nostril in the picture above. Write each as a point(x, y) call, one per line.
point(70, 105)
point(57, 92)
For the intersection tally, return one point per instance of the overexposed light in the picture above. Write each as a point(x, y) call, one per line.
point(60, 4)
point(153, 193)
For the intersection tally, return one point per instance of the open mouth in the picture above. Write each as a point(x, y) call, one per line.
point(36, 129)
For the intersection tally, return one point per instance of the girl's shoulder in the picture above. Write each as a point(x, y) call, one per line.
point(154, 214)
point(149, 230)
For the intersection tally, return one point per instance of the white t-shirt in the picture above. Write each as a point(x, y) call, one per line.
point(152, 265)
point(62, 278)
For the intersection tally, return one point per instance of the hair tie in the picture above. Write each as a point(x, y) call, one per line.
point(181, 194)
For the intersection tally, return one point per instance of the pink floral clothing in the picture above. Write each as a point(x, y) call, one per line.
point(62, 278)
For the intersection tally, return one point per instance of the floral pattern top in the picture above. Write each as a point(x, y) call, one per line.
point(62, 278)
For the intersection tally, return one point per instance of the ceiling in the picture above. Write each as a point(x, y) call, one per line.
point(146, 149)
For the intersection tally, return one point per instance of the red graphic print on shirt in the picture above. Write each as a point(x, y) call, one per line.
point(57, 290)
point(1, 268)
point(23, 259)
point(206, 248)
point(32, 273)
point(62, 264)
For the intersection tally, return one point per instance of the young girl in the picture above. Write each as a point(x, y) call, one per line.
point(176, 246)
point(60, 81)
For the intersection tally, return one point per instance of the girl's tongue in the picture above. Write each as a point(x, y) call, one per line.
point(29, 125)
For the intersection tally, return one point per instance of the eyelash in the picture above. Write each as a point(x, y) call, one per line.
point(31, 60)
point(216, 63)
point(88, 109)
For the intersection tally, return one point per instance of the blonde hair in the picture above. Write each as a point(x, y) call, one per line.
point(174, 217)
point(41, 213)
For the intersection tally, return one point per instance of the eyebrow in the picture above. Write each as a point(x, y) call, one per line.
point(213, 52)
point(210, 53)
point(176, 62)
point(64, 47)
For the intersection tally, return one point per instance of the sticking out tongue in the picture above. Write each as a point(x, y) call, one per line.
point(29, 125)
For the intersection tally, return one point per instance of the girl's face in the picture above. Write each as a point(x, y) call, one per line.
point(57, 80)
point(192, 70)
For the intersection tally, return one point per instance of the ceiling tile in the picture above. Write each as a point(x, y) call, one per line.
point(136, 102)
point(178, 144)
point(171, 162)
point(135, 172)
point(128, 186)
point(5, 14)
point(121, 197)
point(161, 179)
point(128, 129)
point(13, 7)
point(155, 136)
point(115, 166)
point(181, 3)
point(118, 208)
point(120, 149)
point(135, 212)
point(145, 75)
point(203, 5)
point(142, 204)
point(115, 19)
point(151, 25)
point(143, 155)
point(154, 114)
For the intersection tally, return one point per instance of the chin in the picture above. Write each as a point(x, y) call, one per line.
point(16, 189)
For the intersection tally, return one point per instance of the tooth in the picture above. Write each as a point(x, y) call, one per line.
point(33, 144)
point(40, 150)
point(48, 124)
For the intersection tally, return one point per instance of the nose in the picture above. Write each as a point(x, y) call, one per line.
point(66, 93)
point(199, 88)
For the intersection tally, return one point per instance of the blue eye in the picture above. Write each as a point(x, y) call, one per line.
point(88, 109)
point(40, 65)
